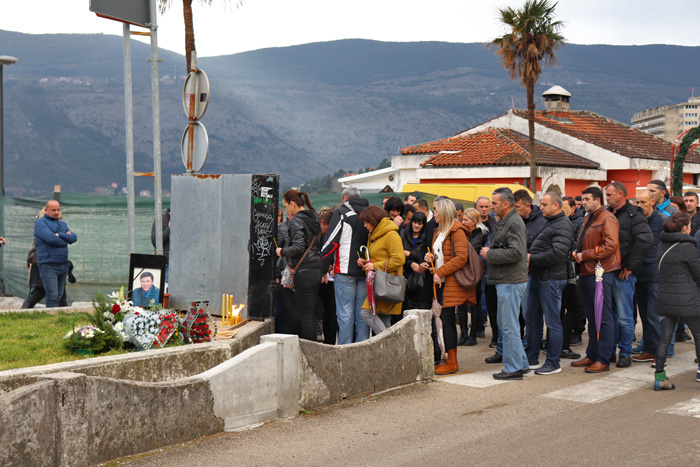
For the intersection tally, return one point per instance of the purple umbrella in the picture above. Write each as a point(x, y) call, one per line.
point(599, 296)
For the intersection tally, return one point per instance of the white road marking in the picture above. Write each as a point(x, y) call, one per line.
point(598, 390)
point(482, 379)
point(621, 382)
point(689, 408)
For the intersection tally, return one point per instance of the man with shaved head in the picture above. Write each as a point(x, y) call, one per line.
point(647, 287)
point(52, 238)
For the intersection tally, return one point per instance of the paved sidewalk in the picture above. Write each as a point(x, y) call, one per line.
point(14, 304)
point(542, 420)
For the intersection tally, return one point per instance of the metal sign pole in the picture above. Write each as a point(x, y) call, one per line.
point(129, 120)
point(156, 127)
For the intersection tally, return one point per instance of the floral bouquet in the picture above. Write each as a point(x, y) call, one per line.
point(99, 336)
point(196, 325)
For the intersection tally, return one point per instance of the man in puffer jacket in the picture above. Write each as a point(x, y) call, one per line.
point(548, 276)
point(636, 239)
point(341, 247)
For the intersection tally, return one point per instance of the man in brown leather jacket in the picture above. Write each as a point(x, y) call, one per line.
point(597, 242)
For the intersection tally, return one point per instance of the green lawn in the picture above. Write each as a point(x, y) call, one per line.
point(31, 339)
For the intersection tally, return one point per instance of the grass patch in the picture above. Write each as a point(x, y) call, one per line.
point(32, 339)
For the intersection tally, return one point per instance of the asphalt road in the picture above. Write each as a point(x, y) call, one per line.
point(571, 418)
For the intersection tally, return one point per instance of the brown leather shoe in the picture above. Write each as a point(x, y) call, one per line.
point(645, 357)
point(597, 367)
point(584, 362)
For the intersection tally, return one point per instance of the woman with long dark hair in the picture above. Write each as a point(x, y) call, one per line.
point(679, 272)
point(415, 246)
point(302, 251)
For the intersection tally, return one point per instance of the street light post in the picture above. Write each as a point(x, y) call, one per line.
point(4, 60)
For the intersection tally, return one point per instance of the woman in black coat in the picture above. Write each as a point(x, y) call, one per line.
point(679, 272)
point(301, 249)
point(477, 239)
point(415, 247)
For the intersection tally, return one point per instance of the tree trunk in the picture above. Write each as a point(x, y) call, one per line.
point(189, 31)
point(531, 133)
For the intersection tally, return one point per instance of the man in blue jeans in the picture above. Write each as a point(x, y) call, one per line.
point(52, 238)
point(341, 247)
point(548, 276)
point(648, 283)
point(635, 241)
point(506, 260)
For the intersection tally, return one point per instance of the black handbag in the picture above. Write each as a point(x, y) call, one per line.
point(415, 283)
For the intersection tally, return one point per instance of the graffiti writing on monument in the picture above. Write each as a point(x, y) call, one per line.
point(262, 259)
point(263, 221)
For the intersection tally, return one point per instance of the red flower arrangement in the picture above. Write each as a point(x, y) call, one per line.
point(168, 326)
point(195, 327)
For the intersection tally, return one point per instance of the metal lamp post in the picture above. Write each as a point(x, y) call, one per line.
point(4, 60)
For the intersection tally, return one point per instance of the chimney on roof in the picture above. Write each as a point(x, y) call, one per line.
point(556, 99)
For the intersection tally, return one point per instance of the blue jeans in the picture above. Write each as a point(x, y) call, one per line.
point(53, 276)
point(647, 299)
point(599, 349)
point(623, 312)
point(509, 299)
point(523, 310)
point(350, 294)
point(544, 298)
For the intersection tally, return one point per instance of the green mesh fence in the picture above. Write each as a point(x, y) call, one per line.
point(100, 256)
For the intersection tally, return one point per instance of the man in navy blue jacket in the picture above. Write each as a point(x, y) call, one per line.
point(52, 238)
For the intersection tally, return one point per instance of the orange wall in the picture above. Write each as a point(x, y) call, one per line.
point(575, 187)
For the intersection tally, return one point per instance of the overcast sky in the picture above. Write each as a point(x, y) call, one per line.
point(222, 29)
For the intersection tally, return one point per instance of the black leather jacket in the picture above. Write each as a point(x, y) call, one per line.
point(303, 228)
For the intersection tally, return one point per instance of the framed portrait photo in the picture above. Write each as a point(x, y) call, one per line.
point(146, 279)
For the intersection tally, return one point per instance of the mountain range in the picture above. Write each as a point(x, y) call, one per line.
point(302, 111)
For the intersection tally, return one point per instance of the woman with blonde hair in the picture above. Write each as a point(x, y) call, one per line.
point(449, 252)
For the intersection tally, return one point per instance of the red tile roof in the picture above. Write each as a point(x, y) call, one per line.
point(607, 134)
point(494, 147)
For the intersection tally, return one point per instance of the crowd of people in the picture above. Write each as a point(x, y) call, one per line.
point(597, 262)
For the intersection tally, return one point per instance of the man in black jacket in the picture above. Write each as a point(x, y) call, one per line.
point(341, 247)
point(547, 261)
point(534, 220)
point(690, 199)
point(636, 239)
point(648, 283)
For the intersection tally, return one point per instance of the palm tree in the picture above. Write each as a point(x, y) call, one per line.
point(189, 25)
point(531, 43)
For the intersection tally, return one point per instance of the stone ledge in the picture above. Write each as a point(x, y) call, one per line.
point(152, 365)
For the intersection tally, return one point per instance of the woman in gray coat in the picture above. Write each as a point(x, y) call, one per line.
point(679, 272)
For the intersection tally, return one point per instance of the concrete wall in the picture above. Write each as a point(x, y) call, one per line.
point(154, 365)
point(403, 354)
point(71, 419)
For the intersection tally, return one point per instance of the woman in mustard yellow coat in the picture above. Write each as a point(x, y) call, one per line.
point(385, 249)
